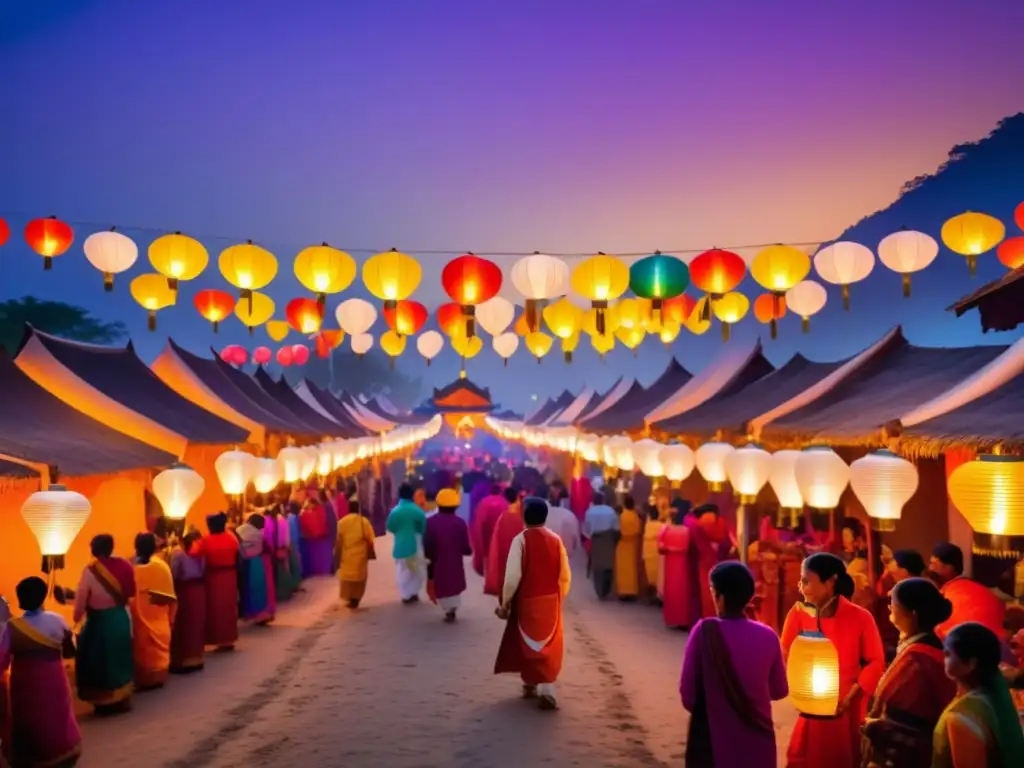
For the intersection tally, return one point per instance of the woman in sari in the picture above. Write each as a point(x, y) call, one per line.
point(259, 602)
point(827, 587)
point(294, 546)
point(44, 731)
point(220, 551)
point(317, 544)
point(153, 610)
point(627, 551)
point(981, 727)
point(104, 668)
point(188, 636)
point(649, 551)
point(277, 534)
point(355, 550)
point(675, 544)
point(915, 690)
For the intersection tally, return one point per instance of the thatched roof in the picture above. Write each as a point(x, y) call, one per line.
point(627, 415)
point(1000, 303)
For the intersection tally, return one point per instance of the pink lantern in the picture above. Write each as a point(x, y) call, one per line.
point(300, 354)
point(261, 355)
point(285, 357)
point(234, 354)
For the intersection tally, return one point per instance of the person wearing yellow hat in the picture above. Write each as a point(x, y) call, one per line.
point(445, 544)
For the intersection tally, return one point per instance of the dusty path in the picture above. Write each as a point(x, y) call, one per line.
point(391, 685)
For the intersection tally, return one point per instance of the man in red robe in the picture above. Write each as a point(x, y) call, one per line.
point(537, 580)
point(488, 512)
point(712, 543)
point(971, 600)
point(509, 525)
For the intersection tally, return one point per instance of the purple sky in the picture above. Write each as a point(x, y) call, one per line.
point(496, 126)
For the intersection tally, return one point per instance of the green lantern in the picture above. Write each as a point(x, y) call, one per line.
point(658, 277)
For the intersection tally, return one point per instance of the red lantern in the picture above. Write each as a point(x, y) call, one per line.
point(716, 272)
point(285, 357)
point(1011, 251)
point(49, 238)
point(678, 309)
point(304, 315)
point(406, 317)
point(470, 280)
point(1018, 216)
point(261, 355)
point(328, 340)
point(769, 308)
point(214, 305)
point(449, 317)
point(5, 232)
point(234, 354)
point(300, 352)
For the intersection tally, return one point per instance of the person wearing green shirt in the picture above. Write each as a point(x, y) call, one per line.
point(407, 523)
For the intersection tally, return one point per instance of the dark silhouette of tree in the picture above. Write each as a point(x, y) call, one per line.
point(56, 317)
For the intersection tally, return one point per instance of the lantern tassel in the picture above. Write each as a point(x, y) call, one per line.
point(108, 281)
point(216, 326)
point(321, 302)
point(428, 362)
point(47, 262)
point(172, 283)
point(151, 320)
point(774, 326)
point(252, 331)
point(906, 286)
point(725, 332)
point(568, 356)
point(972, 265)
point(805, 324)
point(532, 320)
point(846, 297)
point(392, 366)
point(506, 362)
point(705, 308)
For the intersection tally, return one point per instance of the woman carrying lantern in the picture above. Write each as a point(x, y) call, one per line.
point(827, 588)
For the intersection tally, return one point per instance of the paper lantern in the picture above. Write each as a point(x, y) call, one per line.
point(730, 309)
point(247, 267)
point(1011, 252)
point(658, 277)
point(603, 344)
point(748, 469)
point(843, 264)
point(778, 268)
point(178, 257)
point(563, 318)
point(678, 309)
point(906, 252)
point(539, 344)
point(883, 482)
point(600, 279)
point(971, 234)
point(633, 313)
point(55, 517)
point(669, 333)
point(325, 459)
point(361, 343)
point(677, 461)
point(304, 315)
point(285, 357)
point(214, 306)
point(710, 459)
point(5, 232)
point(806, 299)
point(716, 273)
point(768, 310)
point(300, 354)
point(782, 477)
point(467, 347)
point(393, 344)
point(812, 671)
point(267, 475)
point(619, 450)
point(110, 252)
point(505, 345)
point(277, 330)
point(569, 346)
point(822, 476)
point(254, 309)
point(470, 280)
point(355, 316)
point(49, 238)
point(989, 492)
point(611, 321)
point(539, 278)
point(290, 461)
point(323, 270)
point(177, 489)
point(153, 294)
point(309, 456)
point(234, 354)
point(391, 276)
point(327, 340)
point(631, 338)
point(406, 317)
point(698, 324)
point(234, 470)
point(451, 319)
point(646, 454)
point(1018, 216)
point(261, 355)
point(495, 315)
point(429, 344)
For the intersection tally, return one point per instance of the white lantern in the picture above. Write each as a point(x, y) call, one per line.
point(589, 447)
point(324, 461)
point(677, 462)
point(647, 454)
point(355, 316)
point(505, 345)
point(619, 450)
point(711, 463)
point(177, 489)
point(822, 476)
point(309, 461)
point(429, 344)
point(782, 477)
point(111, 253)
point(495, 315)
point(906, 252)
point(883, 482)
point(55, 517)
point(267, 475)
point(844, 263)
point(235, 469)
point(290, 460)
point(748, 469)
point(538, 278)
point(362, 343)
point(806, 299)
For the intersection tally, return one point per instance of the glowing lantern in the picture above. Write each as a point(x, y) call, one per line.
point(470, 280)
point(603, 344)
point(806, 299)
point(361, 343)
point(391, 276)
point(300, 354)
point(153, 294)
point(698, 325)
point(539, 278)
point(325, 461)
point(883, 482)
point(393, 345)
point(601, 279)
point(716, 273)
point(450, 319)
point(247, 267)
point(569, 346)
point(323, 270)
point(989, 492)
point(49, 238)
point(633, 313)
point(563, 318)
point(355, 316)
point(658, 277)
point(730, 309)
point(406, 318)
point(611, 321)
point(277, 330)
point(777, 268)
point(467, 347)
point(1018, 216)
point(783, 480)
point(677, 462)
point(748, 469)
point(261, 355)
point(906, 252)
point(254, 309)
point(234, 354)
point(267, 475)
point(631, 338)
point(972, 234)
point(769, 309)
point(812, 672)
point(539, 344)
point(177, 489)
point(304, 315)
point(285, 357)
point(5, 232)
point(1011, 252)
point(178, 257)
point(619, 451)
point(214, 306)
point(55, 517)
point(290, 461)
point(309, 456)
point(327, 340)
point(495, 315)
point(235, 469)
point(822, 477)
point(505, 345)
point(678, 309)
point(669, 332)
point(710, 459)
point(110, 252)
point(646, 454)
point(429, 344)
point(844, 263)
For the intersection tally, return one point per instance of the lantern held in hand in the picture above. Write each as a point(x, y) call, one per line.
point(111, 253)
point(812, 672)
point(49, 238)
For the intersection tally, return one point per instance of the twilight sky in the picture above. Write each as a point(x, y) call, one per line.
point(453, 125)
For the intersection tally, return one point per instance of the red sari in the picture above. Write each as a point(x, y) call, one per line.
point(712, 541)
point(509, 525)
point(221, 581)
point(677, 597)
point(973, 601)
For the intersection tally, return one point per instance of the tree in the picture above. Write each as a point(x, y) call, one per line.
point(56, 317)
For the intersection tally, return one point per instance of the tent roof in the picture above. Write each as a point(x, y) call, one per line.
point(448, 389)
point(378, 408)
point(255, 393)
point(550, 408)
point(282, 392)
point(629, 412)
point(596, 401)
point(369, 420)
point(334, 407)
point(1000, 303)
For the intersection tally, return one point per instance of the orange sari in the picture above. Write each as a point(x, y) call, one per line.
point(153, 611)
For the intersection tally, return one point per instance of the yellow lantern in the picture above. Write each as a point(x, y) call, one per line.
point(247, 267)
point(277, 330)
point(539, 344)
point(730, 309)
point(669, 332)
point(254, 310)
point(778, 268)
point(323, 270)
point(569, 346)
point(611, 322)
point(631, 338)
point(603, 344)
point(634, 313)
point(563, 318)
point(267, 475)
point(234, 470)
point(290, 461)
point(989, 492)
point(392, 276)
point(178, 257)
point(601, 279)
point(467, 347)
point(55, 517)
point(697, 323)
point(972, 234)
point(393, 345)
point(177, 489)
point(812, 672)
point(153, 293)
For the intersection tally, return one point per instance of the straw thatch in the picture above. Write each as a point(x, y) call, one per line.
point(1000, 303)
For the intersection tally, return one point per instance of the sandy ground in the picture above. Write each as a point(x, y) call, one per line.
point(392, 685)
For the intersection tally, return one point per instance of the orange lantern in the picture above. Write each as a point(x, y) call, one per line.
point(214, 306)
point(1011, 252)
point(304, 315)
point(716, 272)
point(678, 309)
point(5, 231)
point(522, 325)
point(327, 340)
point(449, 318)
point(406, 318)
point(769, 308)
point(470, 280)
point(49, 238)
point(1018, 216)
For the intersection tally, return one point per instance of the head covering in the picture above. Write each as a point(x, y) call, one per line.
point(447, 497)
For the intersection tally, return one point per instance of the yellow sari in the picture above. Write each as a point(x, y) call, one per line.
point(355, 549)
point(652, 560)
point(153, 611)
point(627, 554)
